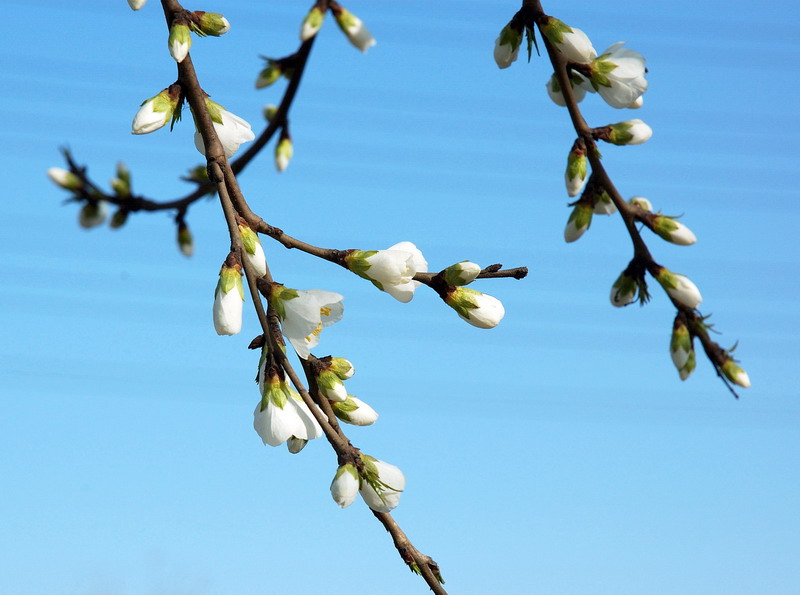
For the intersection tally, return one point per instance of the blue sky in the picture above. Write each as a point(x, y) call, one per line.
point(558, 453)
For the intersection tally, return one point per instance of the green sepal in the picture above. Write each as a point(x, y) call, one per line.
point(576, 166)
point(249, 239)
point(664, 226)
point(118, 219)
point(511, 36)
point(581, 216)
point(530, 37)
point(280, 294)
point(271, 73)
point(314, 18)
point(228, 279)
point(214, 110)
point(276, 393)
point(345, 19)
point(179, 33)
point(620, 133)
point(327, 379)
point(462, 301)
point(357, 262)
point(667, 279)
point(341, 367)
point(681, 339)
point(555, 29)
point(600, 68)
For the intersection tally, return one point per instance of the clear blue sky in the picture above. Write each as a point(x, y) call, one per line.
point(558, 453)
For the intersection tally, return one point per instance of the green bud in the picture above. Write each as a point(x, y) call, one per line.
point(269, 75)
point(118, 219)
point(461, 273)
point(210, 23)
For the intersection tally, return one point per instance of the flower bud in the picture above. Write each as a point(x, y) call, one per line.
point(179, 42)
point(283, 153)
point(93, 214)
point(345, 484)
point(630, 132)
point(354, 29)
point(506, 46)
point(572, 43)
point(271, 73)
point(576, 81)
point(210, 23)
point(311, 23)
point(575, 176)
point(680, 288)
point(228, 299)
point(579, 221)
point(642, 203)
point(623, 291)
point(461, 273)
point(354, 411)
point(136, 4)
point(331, 386)
point(342, 367)
point(735, 374)
point(122, 183)
point(253, 251)
point(230, 128)
point(295, 444)
point(270, 111)
point(381, 484)
point(156, 111)
point(185, 240)
point(118, 219)
point(681, 349)
point(479, 309)
point(673, 231)
point(603, 205)
point(63, 178)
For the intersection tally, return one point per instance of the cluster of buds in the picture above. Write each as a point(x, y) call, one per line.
point(201, 23)
point(331, 372)
point(379, 483)
point(94, 210)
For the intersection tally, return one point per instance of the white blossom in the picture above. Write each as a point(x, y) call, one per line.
point(479, 309)
point(66, 179)
point(228, 301)
point(230, 128)
point(618, 76)
point(391, 270)
point(354, 411)
point(304, 313)
point(155, 112)
point(345, 484)
point(355, 30)
point(381, 485)
point(629, 132)
point(179, 42)
point(680, 288)
point(571, 42)
point(281, 413)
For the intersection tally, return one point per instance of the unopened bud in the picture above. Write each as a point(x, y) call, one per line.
point(735, 373)
point(461, 273)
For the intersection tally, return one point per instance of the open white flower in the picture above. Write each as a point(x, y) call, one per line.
point(680, 288)
point(381, 485)
point(354, 411)
point(231, 130)
point(618, 75)
point(281, 413)
point(228, 301)
point(391, 270)
point(354, 29)
point(479, 309)
point(304, 313)
point(571, 42)
point(345, 484)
